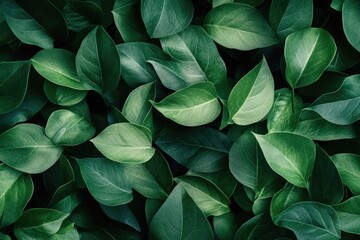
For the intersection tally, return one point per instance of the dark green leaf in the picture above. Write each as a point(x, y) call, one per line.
point(351, 18)
point(63, 96)
point(349, 214)
point(226, 225)
point(239, 26)
point(348, 166)
point(122, 214)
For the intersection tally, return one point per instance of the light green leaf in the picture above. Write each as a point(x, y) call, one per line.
point(25, 27)
point(179, 218)
point(342, 106)
point(125, 143)
point(16, 190)
point(285, 111)
point(67, 128)
point(134, 67)
point(63, 96)
point(239, 26)
point(348, 166)
point(290, 155)
point(252, 97)
point(311, 220)
point(349, 214)
point(106, 181)
point(24, 146)
point(200, 149)
point(351, 18)
point(288, 16)
point(152, 179)
point(209, 198)
point(39, 223)
point(166, 17)
point(308, 52)
point(13, 84)
point(192, 106)
point(58, 66)
point(98, 62)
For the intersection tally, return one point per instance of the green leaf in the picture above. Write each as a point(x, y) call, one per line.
point(351, 18)
point(13, 84)
point(285, 111)
point(98, 62)
point(322, 188)
point(58, 66)
point(337, 4)
point(125, 143)
point(252, 97)
point(349, 215)
point(192, 106)
point(216, 3)
point(239, 26)
point(166, 17)
point(285, 198)
point(67, 128)
point(128, 21)
point(313, 126)
point(134, 67)
point(341, 107)
point(200, 149)
point(348, 166)
point(196, 48)
point(63, 96)
point(209, 198)
point(25, 27)
point(290, 155)
point(137, 108)
point(226, 225)
point(177, 218)
point(4, 237)
point(288, 16)
point(16, 190)
point(249, 167)
point(122, 214)
point(311, 220)
point(106, 181)
point(308, 52)
point(254, 3)
point(24, 146)
point(152, 179)
point(39, 223)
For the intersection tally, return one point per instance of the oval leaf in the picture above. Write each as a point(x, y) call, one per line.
point(308, 53)
point(125, 143)
point(192, 106)
point(24, 146)
point(290, 155)
point(252, 97)
point(349, 214)
point(351, 18)
point(106, 180)
point(63, 96)
point(98, 62)
point(239, 26)
point(311, 220)
point(166, 17)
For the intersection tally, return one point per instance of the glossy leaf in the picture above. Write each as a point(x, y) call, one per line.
point(192, 106)
point(308, 52)
point(24, 146)
point(290, 155)
point(58, 66)
point(239, 26)
point(251, 98)
point(341, 107)
point(288, 16)
point(134, 67)
point(125, 143)
point(16, 189)
point(98, 62)
point(166, 17)
point(63, 96)
point(351, 18)
point(200, 149)
point(177, 218)
point(210, 199)
point(348, 166)
point(106, 180)
point(311, 220)
point(349, 215)
point(65, 127)
point(13, 84)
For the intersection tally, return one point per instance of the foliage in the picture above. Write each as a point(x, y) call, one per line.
point(179, 119)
